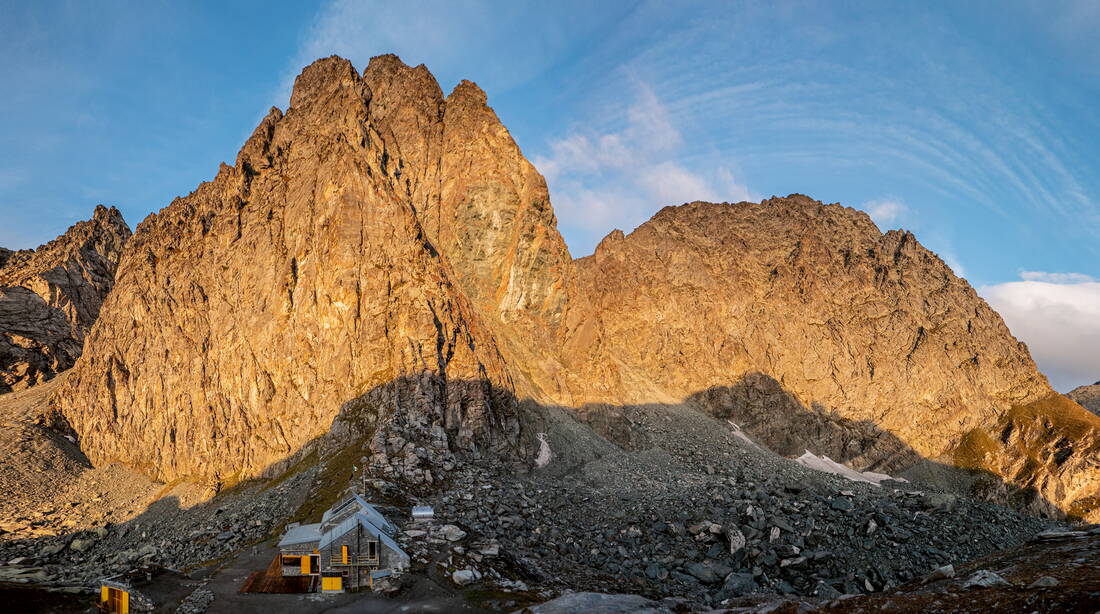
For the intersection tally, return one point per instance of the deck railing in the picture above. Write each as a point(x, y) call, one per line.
point(353, 560)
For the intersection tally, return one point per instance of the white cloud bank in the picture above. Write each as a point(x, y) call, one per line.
point(617, 179)
point(1058, 316)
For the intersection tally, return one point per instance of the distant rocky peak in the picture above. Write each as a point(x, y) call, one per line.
point(51, 296)
point(1087, 397)
point(106, 231)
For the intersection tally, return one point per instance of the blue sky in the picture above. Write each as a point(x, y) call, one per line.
point(970, 123)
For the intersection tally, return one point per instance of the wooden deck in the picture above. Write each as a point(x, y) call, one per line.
point(262, 582)
point(272, 580)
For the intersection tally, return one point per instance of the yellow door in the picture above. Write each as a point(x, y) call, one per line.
point(332, 584)
point(117, 601)
point(305, 566)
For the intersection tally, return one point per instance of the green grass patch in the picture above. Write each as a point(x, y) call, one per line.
point(332, 480)
point(972, 450)
point(302, 464)
point(1059, 414)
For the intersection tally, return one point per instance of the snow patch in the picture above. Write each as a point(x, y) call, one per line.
point(828, 465)
point(737, 432)
point(543, 458)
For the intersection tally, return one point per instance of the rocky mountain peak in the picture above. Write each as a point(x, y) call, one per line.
point(330, 251)
point(416, 83)
point(468, 93)
point(322, 80)
point(803, 313)
point(51, 296)
point(383, 264)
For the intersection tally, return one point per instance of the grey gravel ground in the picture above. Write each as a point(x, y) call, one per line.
point(690, 511)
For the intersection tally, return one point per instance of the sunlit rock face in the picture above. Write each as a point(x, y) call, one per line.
point(51, 296)
point(383, 242)
point(809, 326)
point(299, 278)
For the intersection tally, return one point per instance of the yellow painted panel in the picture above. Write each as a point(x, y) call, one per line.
point(332, 584)
point(305, 565)
point(344, 552)
point(104, 593)
point(125, 603)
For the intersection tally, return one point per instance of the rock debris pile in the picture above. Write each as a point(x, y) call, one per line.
point(709, 517)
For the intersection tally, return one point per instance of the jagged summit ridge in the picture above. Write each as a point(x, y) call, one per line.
point(382, 243)
point(317, 269)
point(50, 296)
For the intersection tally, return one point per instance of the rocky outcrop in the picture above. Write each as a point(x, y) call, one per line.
point(384, 244)
point(1087, 397)
point(51, 296)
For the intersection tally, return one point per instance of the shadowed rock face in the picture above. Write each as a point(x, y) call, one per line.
point(50, 297)
point(1087, 396)
point(380, 232)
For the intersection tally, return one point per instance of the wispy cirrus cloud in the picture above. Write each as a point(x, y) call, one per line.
point(1056, 278)
point(968, 141)
point(500, 45)
point(1058, 316)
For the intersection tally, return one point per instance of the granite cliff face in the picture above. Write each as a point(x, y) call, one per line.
point(1087, 396)
point(50, 297)
point(382, 244)
point(301, 277)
